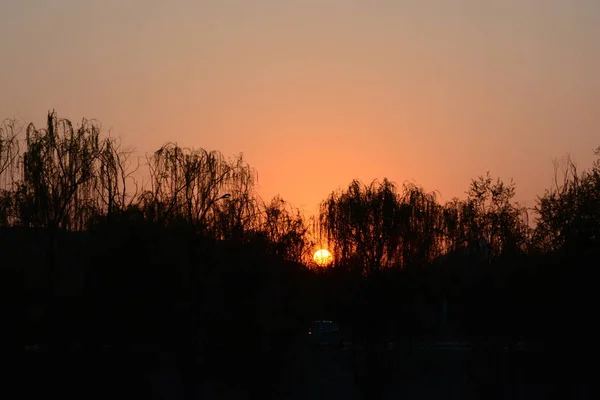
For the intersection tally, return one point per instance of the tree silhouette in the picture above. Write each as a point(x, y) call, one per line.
point(568, 214)
point(500, 222)
point(284, 228)
point(379, 228)
point(59, 166)
point(363, 221)
point(9, 169)
point(113, 178)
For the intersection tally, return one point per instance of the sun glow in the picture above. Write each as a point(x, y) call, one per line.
point(323, 258)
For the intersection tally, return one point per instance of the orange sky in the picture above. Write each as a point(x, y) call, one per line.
point(316, 93)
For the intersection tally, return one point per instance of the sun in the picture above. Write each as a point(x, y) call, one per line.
point(323, 257)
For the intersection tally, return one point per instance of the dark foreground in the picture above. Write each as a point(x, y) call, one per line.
point(418, 371)
point(437, 371)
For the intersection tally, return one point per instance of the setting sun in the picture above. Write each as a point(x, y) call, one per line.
point(323, 257)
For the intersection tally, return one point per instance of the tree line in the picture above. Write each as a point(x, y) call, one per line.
point(66, 177)
point(179, 248)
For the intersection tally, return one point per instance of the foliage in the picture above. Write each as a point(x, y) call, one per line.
point(569, 213)
point(9, 163)
point(383, 228)
point(284, 228)
point(59, 167)
point(496, 218)
point(364, 224)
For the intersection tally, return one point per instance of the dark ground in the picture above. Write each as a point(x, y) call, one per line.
point(432, 371)
point(420, 371)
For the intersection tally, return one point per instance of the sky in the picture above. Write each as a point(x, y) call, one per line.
point(316, 93)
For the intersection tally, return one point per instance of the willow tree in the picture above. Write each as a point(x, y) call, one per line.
point(59, 169)
point(186, 185)
point(284, 229)
point(421, 224)
point(9, 168)
point(364, 224)
point(114, 176)
point(240, 214)
point(378, 227)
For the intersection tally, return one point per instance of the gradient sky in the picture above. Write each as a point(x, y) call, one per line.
point(318, 92)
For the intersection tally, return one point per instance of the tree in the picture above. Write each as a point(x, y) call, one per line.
point(59, 169)
point(186, 183)
point(114, 174)
point(490, 213)
point(375, 227)
point(284, 229)
point(365, 222)
point(235, 218)
point(568, 215)
point(9, 167)
point(421, 220)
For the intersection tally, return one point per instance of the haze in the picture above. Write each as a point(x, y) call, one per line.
point(316, 93)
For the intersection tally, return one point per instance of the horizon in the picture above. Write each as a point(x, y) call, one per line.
point(401, 90)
